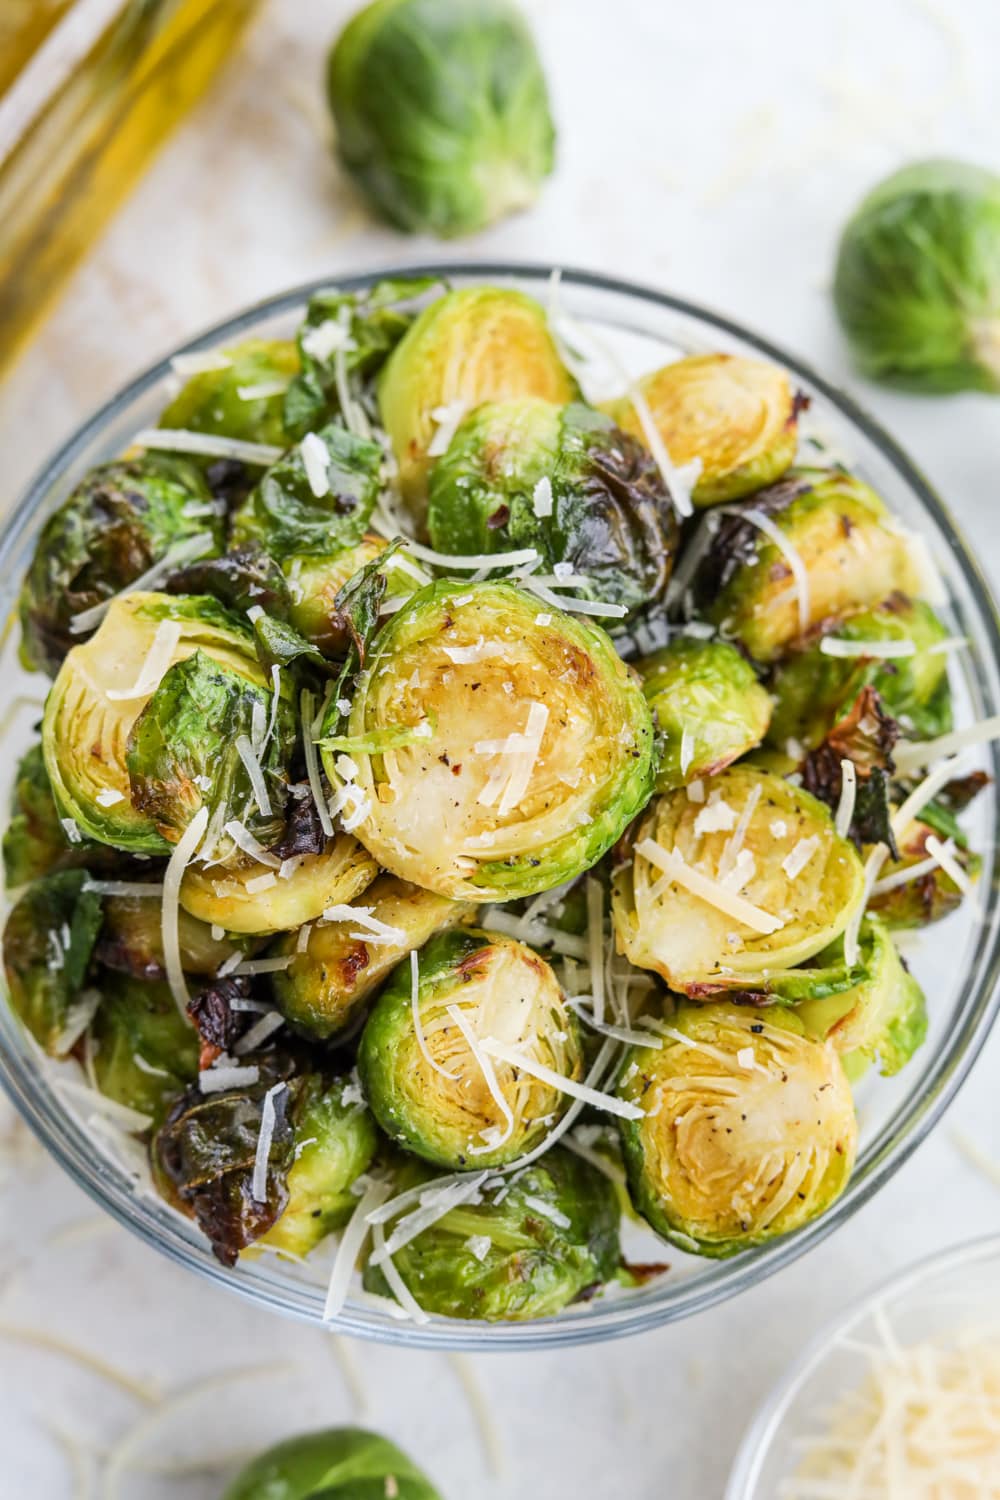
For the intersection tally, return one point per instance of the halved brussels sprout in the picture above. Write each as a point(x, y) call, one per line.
point(753, 880)
point(836, 533)
point(342, 1463)
point(335, 1141)
point(883, 1016)
point(223, 401)
point(131, 940)
point(120, 519)
point(812, 690)
point(518, 745)
point(603, 509)
point(539, 1240)
point(422, 1067)
point(738, 416)
point(709, 705)
point(48, 942)
point(479, 344)
point(35, 840)
point(329, 979)
point(103, 687)
point(145, 1052)
point(315, 582)
point(748, 1133)
point(251, 897)
point(928, 895)
point(442, 112)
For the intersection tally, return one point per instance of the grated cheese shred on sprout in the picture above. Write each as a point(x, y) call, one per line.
point(183, 853)
point(800, 573)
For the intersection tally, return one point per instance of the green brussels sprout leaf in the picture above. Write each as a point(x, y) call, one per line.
point(47, 946)
point(286, 515)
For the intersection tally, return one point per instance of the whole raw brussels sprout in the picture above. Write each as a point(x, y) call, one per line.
point(839, 534)
point(121, 519)
point(917, 283)
point(338, 968)
point(421, 1063)
point(709, 706)
point(483, 343)
point(225, 402)
point(35, 840)
point(498, 749)
point(342, 1463)
point(533, 1243)
point(145, 1052)
point(565, 481)
point(749, 1129)
point(781, 884)
point(249, 897)
point(442, 112)
point(738, 417)
point(48, 942)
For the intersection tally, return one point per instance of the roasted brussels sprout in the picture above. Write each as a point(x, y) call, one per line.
point(342, 1463)
point(120, 520)
point(738, 417)
point(339, 968)
point(47, 946)
point(535, 1242)
point(241, 579)
point(755, 879)
point(35, 840)
point(519, 747)
point(883, 1016)
point(315, 500)
point(430, 1084)
point(254, 897)
point(748, 1132)
point(316, 582)
point(335, 1140)
point(243, 397)
point(839, 551)
point(565, 481)
point(708, 704)
point(104, 755)
point(131, 940)
point(813, 689)
point(479, 344)
point(915, 890)
point(917, 284)
point(442, 112)
point(145, 1052)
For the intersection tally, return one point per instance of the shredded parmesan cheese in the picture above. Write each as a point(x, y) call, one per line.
point(707, 889)
point(307, 710)
point(245, 840)
point(351, 1240)
point(517, 1059)
point(800, 573)
point(921, 752)
point(472, 562)
point(922, 794)
point(418, 1025)
point(252, 765)
point(541, 497)
point(802, 852)
point(181, 857)
point(873, 864)
point(432, 1209)
point(448, 419)
point(942, 855)
point(262, 1157)
point(832, 645)
point(848, 794)
point(217, 1080)
point(489, 1078)
point(184, 551)
point(162, 648)
point(207, 445)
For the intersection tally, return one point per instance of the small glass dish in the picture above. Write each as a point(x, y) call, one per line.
point(953, 1292)
point(957, 963)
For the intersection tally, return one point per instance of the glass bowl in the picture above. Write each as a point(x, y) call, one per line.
point(951, 1292)
point(957, 963)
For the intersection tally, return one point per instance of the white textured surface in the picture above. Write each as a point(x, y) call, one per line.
point(711, 149)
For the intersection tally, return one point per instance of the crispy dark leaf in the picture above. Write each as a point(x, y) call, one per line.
point(303, 830)
point(865, 735)
point(240, 579)
point(218, 1025)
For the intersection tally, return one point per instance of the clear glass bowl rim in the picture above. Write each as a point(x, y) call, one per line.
point(22, 1083)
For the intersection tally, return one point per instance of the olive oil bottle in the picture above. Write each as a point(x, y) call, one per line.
point(88, 90)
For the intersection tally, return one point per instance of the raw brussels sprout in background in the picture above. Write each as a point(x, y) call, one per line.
point(222, 401)
point(479, 344)
point(565, 481)
point(543, 1238)
point(342, 1463)
point(708, 704)
point(47, 946)
point(35, 840)
point(448, 805)
point(738, 417)
point(144, 1051)
point(749, 1130)
point(234, 899)
point(442, 112)
point(121, 519)
point(421, 1073)
point(917, 283)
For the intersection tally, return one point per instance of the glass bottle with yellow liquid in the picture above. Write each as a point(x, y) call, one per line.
point(88, 90)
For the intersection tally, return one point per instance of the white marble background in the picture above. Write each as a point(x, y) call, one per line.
point(713, 149)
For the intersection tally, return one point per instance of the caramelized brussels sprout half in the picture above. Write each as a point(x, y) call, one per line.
point(96, 766)
point(565, 481)
point(35, 840)
point(521, 746)
point(479, 344)
point(338, 969)
point(252, 897)
point(48, 942)
point(241, 579)
point(145, 1053)
point(812, 689)
point(121, 519)
point(928, 894)
point(846, 545)
point(539, 1240)
point(755, 879)
point(748, 1133)
point(442, 112)
point(131, 940)
point(737, 416)
point(315, 583)
point(422, 1063)
point(342, 1463)
point(223, 401)
point(883, 1016)
point(709, 706)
